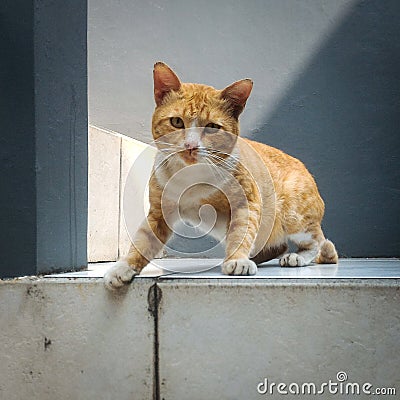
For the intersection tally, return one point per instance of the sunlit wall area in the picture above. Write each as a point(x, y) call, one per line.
point(325, 90)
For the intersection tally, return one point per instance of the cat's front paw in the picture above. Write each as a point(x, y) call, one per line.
point(120, 274)
point(241, 266)
point(292, 260)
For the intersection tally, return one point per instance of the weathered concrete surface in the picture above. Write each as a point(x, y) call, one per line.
point(103, 195)
point(71, 339)
point(220, 339)
point(209, 338)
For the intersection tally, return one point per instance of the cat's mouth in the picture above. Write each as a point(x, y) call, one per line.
point(190, 156)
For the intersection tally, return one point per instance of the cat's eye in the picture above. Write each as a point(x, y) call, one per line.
point(177, 122)
point(211, 127)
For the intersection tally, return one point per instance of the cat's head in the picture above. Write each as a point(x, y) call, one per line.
point(195, 115)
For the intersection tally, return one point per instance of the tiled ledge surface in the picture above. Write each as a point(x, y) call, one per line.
point(360, 268)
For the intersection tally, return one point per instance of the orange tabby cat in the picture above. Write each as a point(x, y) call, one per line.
point(269, 200)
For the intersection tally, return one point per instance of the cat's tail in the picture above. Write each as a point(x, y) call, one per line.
point(327, 253)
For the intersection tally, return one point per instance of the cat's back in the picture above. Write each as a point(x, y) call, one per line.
point(293, 183)
point(274, 157)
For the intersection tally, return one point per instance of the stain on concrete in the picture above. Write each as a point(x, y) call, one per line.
point(47, 343)
point(154, 298)
point(35, 292)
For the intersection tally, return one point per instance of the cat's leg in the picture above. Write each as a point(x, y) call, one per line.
point(327, 253)
point(239, 240)
point(269, 253)
point(148, 241)
point(308, 244)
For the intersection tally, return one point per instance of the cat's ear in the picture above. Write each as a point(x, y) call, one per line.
point(165, 80)
point(237, 95)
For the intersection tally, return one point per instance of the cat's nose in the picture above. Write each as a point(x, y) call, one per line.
point(191, 146)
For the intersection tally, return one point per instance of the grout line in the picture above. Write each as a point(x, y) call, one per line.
point(119, 199)
point(156, 351)
point(154, 298)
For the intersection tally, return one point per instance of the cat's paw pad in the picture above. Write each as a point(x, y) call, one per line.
point(120, 274)
point(241, 266)
point(292, 260)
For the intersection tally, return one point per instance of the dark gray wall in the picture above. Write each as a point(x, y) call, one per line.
point(325, 89)
point(341, 116)
point(43, 86)
point(17, 139)
point(61, 133)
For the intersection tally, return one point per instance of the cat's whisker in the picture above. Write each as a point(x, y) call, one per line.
point(166, 159)
point(223, 162)
point(159, 144)
point(156, 141)
point(218, 153)
point(169, 151)
point(230, 159)
point(218, 166)
point(216, 171)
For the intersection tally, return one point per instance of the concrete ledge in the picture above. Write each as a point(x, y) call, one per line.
point(70, 339)
point(200, 336)
point(226, 337)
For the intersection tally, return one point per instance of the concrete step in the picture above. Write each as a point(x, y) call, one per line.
point(178, 335)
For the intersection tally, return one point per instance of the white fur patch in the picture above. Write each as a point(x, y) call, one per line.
point(120, 274)
point(241, 266)
point(300, 237)
point(193, 136)
point(292, 260)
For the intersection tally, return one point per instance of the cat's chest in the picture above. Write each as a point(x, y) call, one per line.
point(190, 194)
point(192, 199)
point(194, 205)
point(190, 185)
point(198, 209)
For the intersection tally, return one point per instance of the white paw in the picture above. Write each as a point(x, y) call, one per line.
point(292, 260)
point(241, 266)
point(118, 275)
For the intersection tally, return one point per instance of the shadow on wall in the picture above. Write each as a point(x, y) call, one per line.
point(342, 118)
